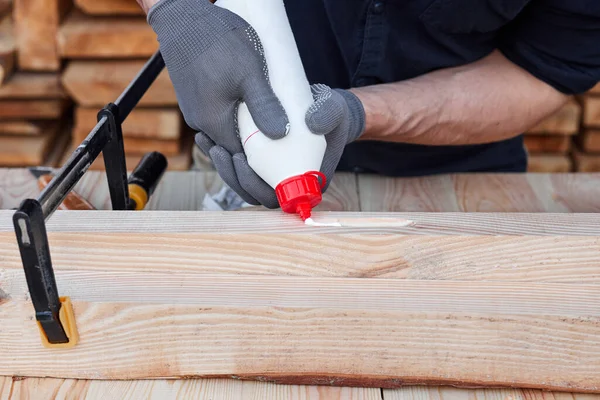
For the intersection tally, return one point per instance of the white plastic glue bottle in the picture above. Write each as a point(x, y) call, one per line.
point(289, 165)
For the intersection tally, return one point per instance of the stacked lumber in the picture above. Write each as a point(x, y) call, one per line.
point(549, 143)
point(587, 153)
point(61, 61)
point(105, 44)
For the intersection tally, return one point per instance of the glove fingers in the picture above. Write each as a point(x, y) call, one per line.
point(327, 111)
point(204, 142)
point(252, 183)
point(265, 109)
point(224, 165)
point(229, 138)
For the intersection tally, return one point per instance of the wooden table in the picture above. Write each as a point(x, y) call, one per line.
point(186, 191)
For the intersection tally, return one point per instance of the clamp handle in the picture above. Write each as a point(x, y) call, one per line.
point(144, 179)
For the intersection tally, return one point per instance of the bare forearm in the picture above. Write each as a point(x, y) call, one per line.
point(486, 101)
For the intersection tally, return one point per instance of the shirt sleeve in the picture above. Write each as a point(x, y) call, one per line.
point(558, 42)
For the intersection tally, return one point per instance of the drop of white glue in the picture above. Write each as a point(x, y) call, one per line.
point(311, 222)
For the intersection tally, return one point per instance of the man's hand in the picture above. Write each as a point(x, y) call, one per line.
point(215, 60)
point(337, 114)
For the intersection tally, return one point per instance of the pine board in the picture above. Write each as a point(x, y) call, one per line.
point(82, 36)
point(349, 332)
point(547, 143)
point(549, 163)
point(7, 48)
point(32, 109)
point(565, 121)
point(109, 7)
point(222, 389)
point(586, 162)
point(450, 393)
point(96, 83)
point(591, 111)
point(15, 186)
point(481, 193)
point(590, 140)
point(142, 123)
point(20, 151)
point(5, 387)
point(36, 26)
point(32, 86)
point(20, 128)
point(138, 146)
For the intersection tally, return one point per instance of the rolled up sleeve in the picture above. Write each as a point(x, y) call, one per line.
point(558, 42)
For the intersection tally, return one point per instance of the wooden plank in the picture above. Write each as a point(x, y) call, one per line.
point(32, 109)
point(95, 83)
point(450, 393)
point(7, 48)
point(109, 7)
point(407, 195)
point(578, 192)
point(565, 121)
point(36, 27)
point(590, 140)
point(591, 111)
point(22, 151)
point(32, 86)
point(82, 36)
point(549, 163)
point(547, 143)
point(348, 332)
point(15, 186)
point(20, 128)
point(225, 389)
point(5, 387)
point(137, 146)
point(436, 246)
point(586, 162)
point(142, 123)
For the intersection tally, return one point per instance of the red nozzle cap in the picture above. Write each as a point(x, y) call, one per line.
point(300, 193)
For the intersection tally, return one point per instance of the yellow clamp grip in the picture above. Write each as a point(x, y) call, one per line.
point(139, 195)
point(67, 319)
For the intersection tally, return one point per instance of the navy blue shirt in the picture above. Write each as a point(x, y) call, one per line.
point(353, 43)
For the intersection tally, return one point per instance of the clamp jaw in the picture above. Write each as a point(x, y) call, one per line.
point(54, 314)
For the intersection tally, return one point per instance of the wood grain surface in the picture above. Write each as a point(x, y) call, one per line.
point(590, 140)
point(32, 109)
point(81, 36)
point(20, 128)
point(109, 7)
point(95, 83)
point(450, 393)
point(138, 146)
point(32, 86)
point(591, 111)
point(585, 162)
point(16, 185)
point(142, 123)
point(36, 25)
point(352, 332)
point(21, 151)
point(221, 389)
point(566, 121)
point(547, 143)
point(549, 163)
point(7, 48)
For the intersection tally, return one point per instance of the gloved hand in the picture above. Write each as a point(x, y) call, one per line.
point(337, 114)
point(215, 60)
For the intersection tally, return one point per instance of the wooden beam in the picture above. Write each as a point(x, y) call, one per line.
point(32, 86)
point(142, 123)
point(547, 143)
point(549, 163)
point(565, 121)
point(139, 146)
point(371, 333)
point(109, 7)
point(591, 111)
point(20, 151)
point(20, 128)
point(32, 109)
point(36, 26)
point(451, 393)
point(589, 140)
point(7, 48)
point(586, 162)
point(82, 36)
point(95, 83)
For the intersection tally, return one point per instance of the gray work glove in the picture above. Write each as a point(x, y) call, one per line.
point(337, 114)
point(215, 60)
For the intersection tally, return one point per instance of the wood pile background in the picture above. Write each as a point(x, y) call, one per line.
point(61, 61)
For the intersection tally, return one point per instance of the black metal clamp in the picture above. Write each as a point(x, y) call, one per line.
point(54, 314)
